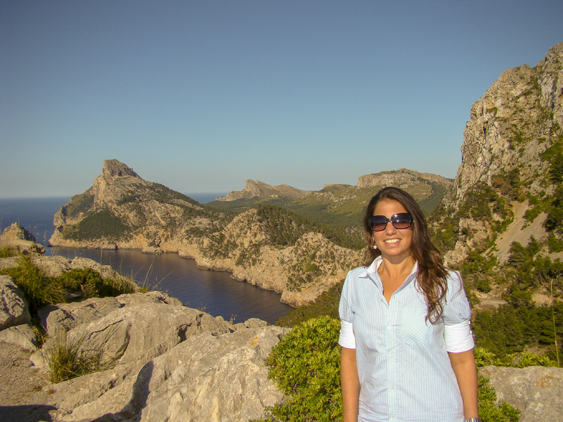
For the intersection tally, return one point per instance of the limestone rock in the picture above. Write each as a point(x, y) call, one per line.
point(217, 379)
point(205, 378)
point(536, 391)
point(14, 309)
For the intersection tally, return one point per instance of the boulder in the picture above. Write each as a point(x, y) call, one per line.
point(14, 309)
point(20, 335)
point(536, 391)
point(70, 315)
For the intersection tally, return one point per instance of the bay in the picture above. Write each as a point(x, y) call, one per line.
point(215, 292)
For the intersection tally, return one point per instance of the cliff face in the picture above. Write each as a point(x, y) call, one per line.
point(510, 148)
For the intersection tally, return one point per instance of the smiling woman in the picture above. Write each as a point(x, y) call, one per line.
point(404, 315)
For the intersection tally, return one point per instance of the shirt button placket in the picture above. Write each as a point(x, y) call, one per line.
point(391, 362)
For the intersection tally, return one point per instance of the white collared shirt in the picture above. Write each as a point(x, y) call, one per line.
point(403, 365)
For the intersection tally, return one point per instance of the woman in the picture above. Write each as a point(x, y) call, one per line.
point(407, 350)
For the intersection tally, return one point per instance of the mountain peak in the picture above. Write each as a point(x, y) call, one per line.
point(114, 168)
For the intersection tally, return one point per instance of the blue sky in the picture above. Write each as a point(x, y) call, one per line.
point(202, 95)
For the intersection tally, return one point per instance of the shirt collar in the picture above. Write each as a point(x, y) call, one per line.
point(371, 271)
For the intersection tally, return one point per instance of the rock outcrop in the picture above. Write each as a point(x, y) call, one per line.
point(402, 178)
point(536, 391)
point(18, 238)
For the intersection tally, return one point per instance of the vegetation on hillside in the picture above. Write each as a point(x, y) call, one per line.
point(339, 206)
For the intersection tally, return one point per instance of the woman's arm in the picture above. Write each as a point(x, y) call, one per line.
point(465, 371)
point(350, 384)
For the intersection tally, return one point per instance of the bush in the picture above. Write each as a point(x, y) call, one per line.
point(92, 284)
point(8, 252)
point(306, 366)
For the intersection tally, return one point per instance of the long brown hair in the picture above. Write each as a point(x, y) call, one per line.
point(431, 271)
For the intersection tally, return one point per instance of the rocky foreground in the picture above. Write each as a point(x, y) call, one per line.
point(158, 361)
point(162, 361)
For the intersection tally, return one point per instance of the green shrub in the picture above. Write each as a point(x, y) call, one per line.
point(40, 290)
point(306, 366)
point(102, 224)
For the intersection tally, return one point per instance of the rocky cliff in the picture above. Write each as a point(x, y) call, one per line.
point(506, 184)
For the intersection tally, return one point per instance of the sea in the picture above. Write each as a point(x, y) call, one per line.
point(214, 292)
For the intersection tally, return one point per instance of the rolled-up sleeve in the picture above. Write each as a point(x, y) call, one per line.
point(347, 338)
point(457, 316)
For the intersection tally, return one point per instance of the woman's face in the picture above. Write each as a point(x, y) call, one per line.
point(394, 244)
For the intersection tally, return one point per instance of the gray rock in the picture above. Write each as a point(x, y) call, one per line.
point(254, 323)
point(214, 378)
point(21, 335)
point(536, 391)
point(205, 378)
point(14, 309)
point(150, 297)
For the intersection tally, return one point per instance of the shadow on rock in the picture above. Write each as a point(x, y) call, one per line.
point(138, 400)
point(28, 413)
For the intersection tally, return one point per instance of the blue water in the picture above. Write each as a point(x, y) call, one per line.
point(215, 292)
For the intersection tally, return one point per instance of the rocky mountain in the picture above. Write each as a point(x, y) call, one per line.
point(260, 189)
point(267, 246)
point(123, 210)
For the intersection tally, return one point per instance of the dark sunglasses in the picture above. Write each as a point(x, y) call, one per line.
point(400, 221)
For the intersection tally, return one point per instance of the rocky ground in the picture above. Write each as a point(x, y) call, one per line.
point(21, 384)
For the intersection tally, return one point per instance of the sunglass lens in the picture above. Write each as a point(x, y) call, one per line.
point(378, 223)
point(402, 221)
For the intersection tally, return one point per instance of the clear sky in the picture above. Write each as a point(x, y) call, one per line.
point(202, 95)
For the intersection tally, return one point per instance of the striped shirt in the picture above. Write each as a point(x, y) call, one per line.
point(404, 369)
